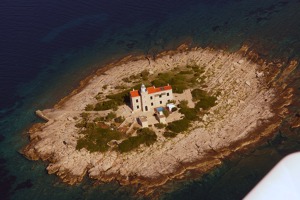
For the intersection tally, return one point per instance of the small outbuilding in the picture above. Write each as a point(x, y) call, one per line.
point(161, 118)
point(142, 120)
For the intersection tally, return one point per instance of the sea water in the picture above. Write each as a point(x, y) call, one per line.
point(47, 47)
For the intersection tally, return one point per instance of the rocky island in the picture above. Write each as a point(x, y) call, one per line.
point(226, 102)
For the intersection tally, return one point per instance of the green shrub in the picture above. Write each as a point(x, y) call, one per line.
point(198, 69)
point(106, 105)
point(169, 134)
point(81, 124)
point(84, 116)
point(99, 119)
point(96, 138)
point(132, 77)
point(121, 87)
point(89, 107)
point(198, 94)
point(145, 136)
point(206, 103)
point(179, 125)
point(145, 74)
point(183, 104)
point(160, 125)
point(158, 82)
point(166, 112)
point(110, 116)
point(178, 81)
point(179, 88)
point(99, 95)
point(119, 98)
point(126, 80)
point(189, 113)
point(119, 119)
point(172, 101)
point(204, 100)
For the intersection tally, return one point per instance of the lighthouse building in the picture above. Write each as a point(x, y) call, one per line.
point(146, 99)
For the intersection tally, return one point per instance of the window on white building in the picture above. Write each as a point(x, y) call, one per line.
point(137, 100)
point(151, 97)
point(168, 94)
point(160, 96)
point(137, 107)
point(160, 102)
point(151, 104)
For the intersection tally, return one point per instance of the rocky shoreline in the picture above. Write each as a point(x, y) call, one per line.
point(253, 101)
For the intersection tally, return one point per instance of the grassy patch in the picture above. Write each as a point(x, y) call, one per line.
point(145, 136)
point(96, 138)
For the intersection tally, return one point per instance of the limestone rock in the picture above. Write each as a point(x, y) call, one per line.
point(259, 74)
point(240, 61)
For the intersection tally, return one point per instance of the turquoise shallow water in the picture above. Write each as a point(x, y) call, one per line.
point(51, 46)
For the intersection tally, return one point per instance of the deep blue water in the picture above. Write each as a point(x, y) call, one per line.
point(47, 47)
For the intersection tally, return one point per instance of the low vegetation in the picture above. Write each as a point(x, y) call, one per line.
point(202, 100)
point(178, 81)
point(205, 101)
point(189, 113)
point(119, 119)
point(169, 134)
point(160, 125)
point(97, 134)
point(96, 138)
point(144, 136)
point(89, 107)
point(179, 125)
point(106, 105)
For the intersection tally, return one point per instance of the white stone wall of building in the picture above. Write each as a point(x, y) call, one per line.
point(162, 98)
point(136, 103)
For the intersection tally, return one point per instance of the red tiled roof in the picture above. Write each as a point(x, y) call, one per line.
point(134, 93)
point(151, 90)
point(158, 89)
